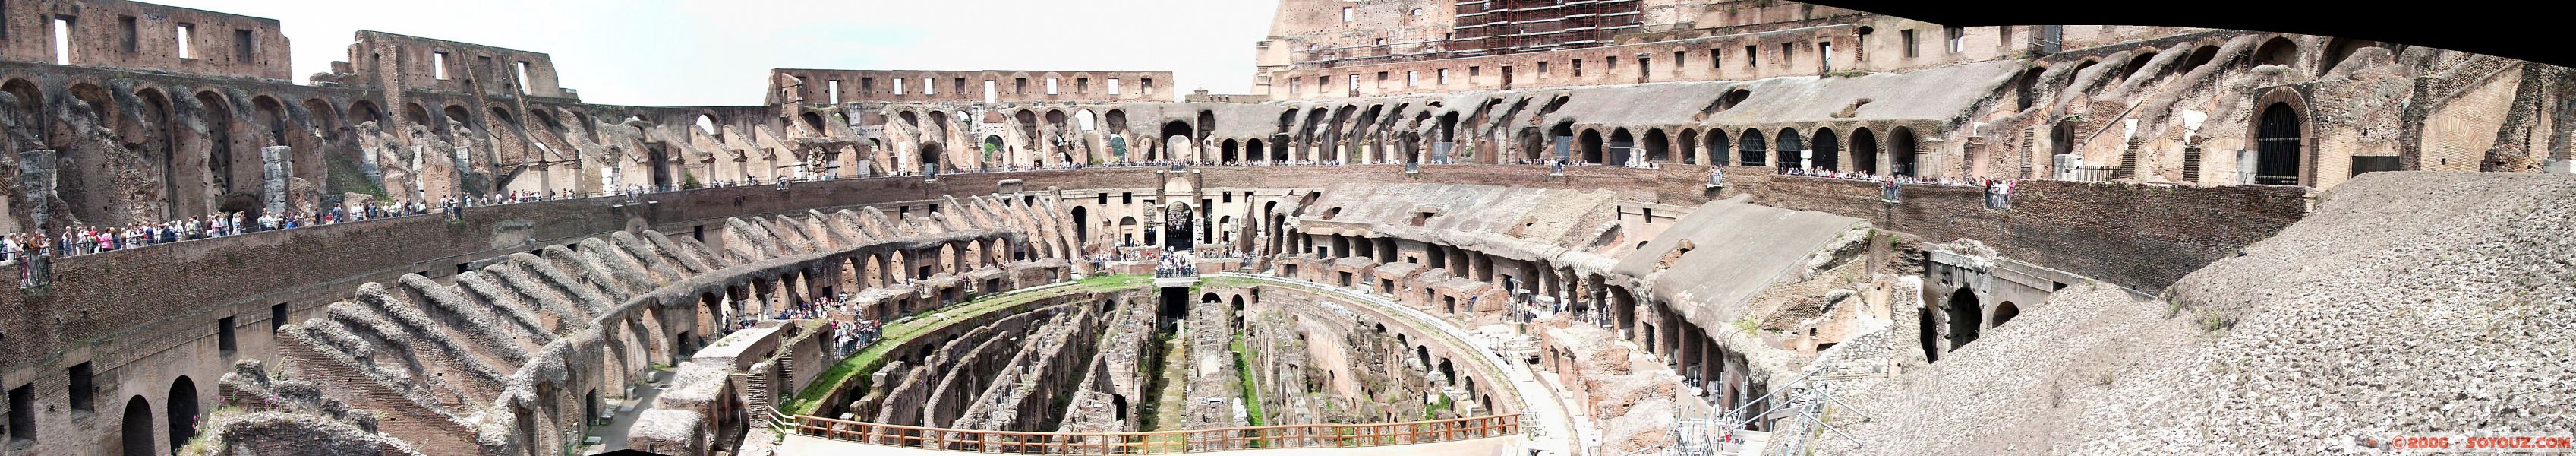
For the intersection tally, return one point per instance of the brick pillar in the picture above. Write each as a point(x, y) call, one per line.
point(275, 169)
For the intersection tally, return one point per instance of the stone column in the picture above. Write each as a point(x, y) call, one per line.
point(275, 169)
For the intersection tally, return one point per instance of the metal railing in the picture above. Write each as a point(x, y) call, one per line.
point(1163, 442)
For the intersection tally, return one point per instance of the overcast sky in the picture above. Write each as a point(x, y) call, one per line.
point(709, 52)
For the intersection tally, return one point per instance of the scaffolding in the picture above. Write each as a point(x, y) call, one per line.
point(1490, 27)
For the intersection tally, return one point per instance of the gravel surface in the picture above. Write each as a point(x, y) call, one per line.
point(2409, 302)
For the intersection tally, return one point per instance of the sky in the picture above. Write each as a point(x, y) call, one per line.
point(704, 52)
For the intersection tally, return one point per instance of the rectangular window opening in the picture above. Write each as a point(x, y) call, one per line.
point(1113, 86)
point(833, 86)
point(898, 86)
point(243, 47)
point(224, 336)
point(1905, 39)
point(277, 317)
point(80, 387)
point(22, 413)
point(1050, 86)
point(438, 65)
point(929, 86)
point(187, 31)
point(521, 74)
point(126, 28)
point(62, 40)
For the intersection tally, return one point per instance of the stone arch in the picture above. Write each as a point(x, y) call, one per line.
point(1826, 148)
point(182, 412)
point(1792, 149)
point(235, 172)
point(1965, 315)
point(2280, 139)
point(161, 153)
point(458, 114)
point(1753, 151)
point(2279, 50)
point(137, 428)
point(2004, 312)
point(1622, 146)
point(929, 157)
point(1226, 151)
point(325, 118)
point(1864, 145)
point(29, 107)
point(416, 115)
point(1901, 155)
point(1589, 147)
point(1720, 151)
point(1176, 141)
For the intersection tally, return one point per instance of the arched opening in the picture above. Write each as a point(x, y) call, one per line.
point(1591, 146)
point(1176, 142)
point(2026, 88)
point(223, 167)
point(815, 121)
point(138, 428)
point(1827, 149)
point(1864, 151)
point(931, 162)
point(992, 149)
point(1127, 230)
point(2005, 312)
point(161, 153)
point(2061, 139)
point(183, 412)
point(1901, 156)
point(1081, 225)
point(1252, 150)
point(2200, 56)
point(1622, 145)
point(1965, 317)
point(1238, 311)
point(2277, 51)
point(2277, 143)
point(1720, 150)
point(459, 116)
point(1793, 150)
point(1226, 151)
point(1753, 151)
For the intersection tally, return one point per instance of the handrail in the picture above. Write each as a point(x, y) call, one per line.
point(1162, 442)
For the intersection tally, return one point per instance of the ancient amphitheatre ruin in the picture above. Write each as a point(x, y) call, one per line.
point(1474, 227)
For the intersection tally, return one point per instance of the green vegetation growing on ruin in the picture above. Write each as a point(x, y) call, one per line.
point(345, 177)
point(874, 356)
point(1251, 390)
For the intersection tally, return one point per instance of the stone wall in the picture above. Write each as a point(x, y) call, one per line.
point(2141, 236)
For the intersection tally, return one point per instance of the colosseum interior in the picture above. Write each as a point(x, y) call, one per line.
point(1472, 227)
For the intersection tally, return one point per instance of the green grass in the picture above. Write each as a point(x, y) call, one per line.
point(1251, 390)
point(1432, 411)
point(875, 355)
